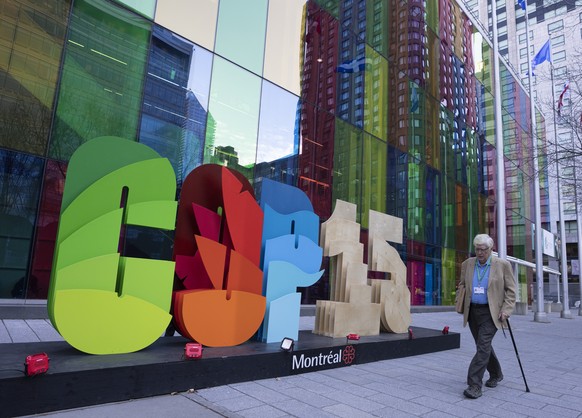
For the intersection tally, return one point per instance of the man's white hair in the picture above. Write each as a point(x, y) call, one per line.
point(483, 239)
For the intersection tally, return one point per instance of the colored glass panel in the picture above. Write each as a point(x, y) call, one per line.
point(20, 179)
point(376, 94)
point(433, 145)
point(194, 20)
point(101, 85)
point(316, 159)
point(240, 33)
point(377, 28)
point(46, 227)
point(397, 184)
point(448, 197)
point(432, 14)
point(234, 109)
point(433, 225)
point(31, 42)
point(373, 177)
point(449, 276)
point(278, 140)
point(144, 7)
point(348, 165)
point(175, 100)
point(416, 200)
point(284, 31)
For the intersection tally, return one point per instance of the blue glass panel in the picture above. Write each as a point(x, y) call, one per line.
point(175, 101)
point(20, 179)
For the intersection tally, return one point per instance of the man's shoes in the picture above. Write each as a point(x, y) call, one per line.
point(493, 381)
point(472, 392)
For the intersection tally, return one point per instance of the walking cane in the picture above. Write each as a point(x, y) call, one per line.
point(517, 354)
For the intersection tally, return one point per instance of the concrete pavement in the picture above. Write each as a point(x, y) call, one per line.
point(430, 385)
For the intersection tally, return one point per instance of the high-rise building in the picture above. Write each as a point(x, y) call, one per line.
point(559, 22)
point(382, 103)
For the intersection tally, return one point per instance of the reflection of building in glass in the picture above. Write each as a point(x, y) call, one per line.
point(387, 104)
point(172, 117)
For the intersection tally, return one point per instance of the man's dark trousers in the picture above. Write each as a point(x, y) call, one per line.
point(483, 329)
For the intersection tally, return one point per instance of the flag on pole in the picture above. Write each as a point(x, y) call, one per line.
point(544, 54)
point(521, 3)
point(414, 101)
point(561, 99)
point(354, 66)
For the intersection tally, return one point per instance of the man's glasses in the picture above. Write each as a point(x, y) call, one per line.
point(481, 250)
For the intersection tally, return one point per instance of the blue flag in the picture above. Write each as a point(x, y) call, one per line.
point(353, 66)
point(544, 54)
point(521, 3)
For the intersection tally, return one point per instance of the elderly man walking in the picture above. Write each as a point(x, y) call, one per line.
point(489, 301)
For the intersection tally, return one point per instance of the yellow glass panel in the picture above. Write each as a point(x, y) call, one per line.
point(194, 20)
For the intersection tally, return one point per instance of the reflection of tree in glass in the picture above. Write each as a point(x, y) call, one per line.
point(24, 126)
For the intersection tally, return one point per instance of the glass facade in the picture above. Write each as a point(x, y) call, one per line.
point(385, 104)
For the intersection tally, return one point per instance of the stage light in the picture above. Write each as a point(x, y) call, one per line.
point(353, 337)
point(36, 364)
point(287, 344)
point(446, 330)
point(193, 350)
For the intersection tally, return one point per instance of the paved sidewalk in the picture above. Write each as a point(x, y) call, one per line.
point(430, 385)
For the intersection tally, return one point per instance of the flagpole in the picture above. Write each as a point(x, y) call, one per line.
point(564, 266)
point(539, 313)
point(500, 187)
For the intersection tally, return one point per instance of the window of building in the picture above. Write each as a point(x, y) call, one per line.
point(559, 56)
point(571, 227)
point(556, 26)
point(523, 53)
point(558, 41)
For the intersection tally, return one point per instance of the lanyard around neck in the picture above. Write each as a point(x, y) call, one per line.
point(482, 270)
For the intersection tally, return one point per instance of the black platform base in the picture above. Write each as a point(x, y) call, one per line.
point(76, 379)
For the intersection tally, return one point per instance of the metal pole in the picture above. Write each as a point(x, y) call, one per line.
point(579, 222)
point(539, 314)
point(517, 354)
point(564, 269)
point(500, 187)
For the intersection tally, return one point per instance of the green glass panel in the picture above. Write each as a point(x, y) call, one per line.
point(31, 42)
point(449, 276)
point(101, 86)
point(233, 113)
point(373, 178)
point(331, 6)
point(240, 35)
point(448, 198)
point(448, 166)
point(144, 7)
point(416, 200)
point(488, 114)
point(347, 162)
point(433, 145)
point(416, 125)
point(376, 95)
point(377, 28)
point(472, 159)
point(432, 14)
point(360, 162)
